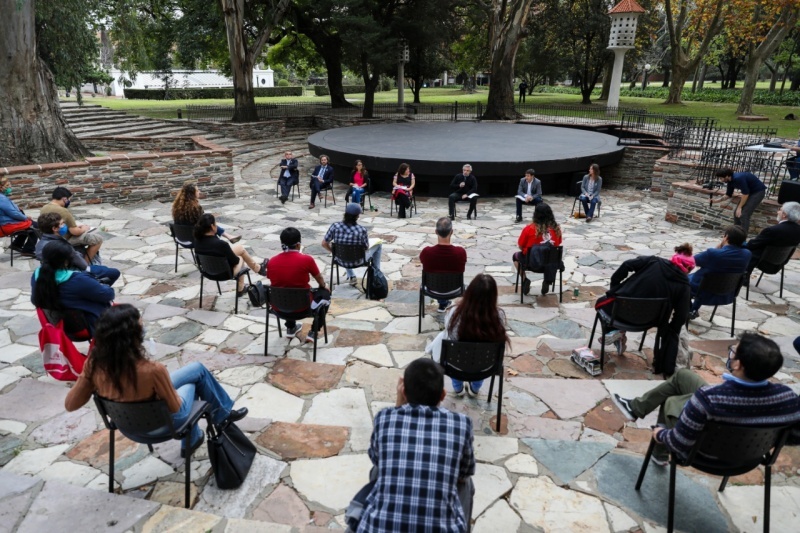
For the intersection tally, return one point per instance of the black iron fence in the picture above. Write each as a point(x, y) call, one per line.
point(769, 165)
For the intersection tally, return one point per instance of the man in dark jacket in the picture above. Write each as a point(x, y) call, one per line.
point(289, 175)
point(464, 186)
point(653, 277)
point(727, 257)
point(785, 233)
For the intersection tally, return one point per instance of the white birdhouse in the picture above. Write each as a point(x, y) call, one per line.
point(624, 17)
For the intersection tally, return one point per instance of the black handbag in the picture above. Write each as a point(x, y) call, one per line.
point(231, 454)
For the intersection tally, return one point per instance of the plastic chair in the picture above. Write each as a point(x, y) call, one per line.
point(148, 423)
point(217, 269)
point(440, 285)
point(183, 235)
point(284, 304)
point(347, 256)
point(411, 207)
point(76, 326)
point(295, 185)
point(473, 361)
point(721, 284)
point(576, 192)
point(772, 261)
point(726, 450)
point(553, 257)
point(630, 315)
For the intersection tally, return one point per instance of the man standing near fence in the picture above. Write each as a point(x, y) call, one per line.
point(752, 192)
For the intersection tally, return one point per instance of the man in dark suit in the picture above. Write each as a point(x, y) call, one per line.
point(289, 175)
point(785, 233)
point(464, 185)
point(529, 192)
point(321, 177)
point(727, 257)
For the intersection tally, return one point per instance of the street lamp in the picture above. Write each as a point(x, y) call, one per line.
point(644, 75)
point(402, 59)
point(624, 17)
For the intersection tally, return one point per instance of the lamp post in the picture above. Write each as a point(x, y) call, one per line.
point(645, 70)
point(402, 59)
point(624, 17)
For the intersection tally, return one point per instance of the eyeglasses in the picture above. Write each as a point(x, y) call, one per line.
point(732, 351)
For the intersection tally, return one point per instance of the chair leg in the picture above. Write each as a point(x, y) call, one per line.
point(421, 310)
point(560, 286)
point(646, 462)
point(111, 461)
point(759, 278)
point(673, 470)
point(781, 293)
point(516, 281)
point(491, 388)
point(316, 337)
point(150, 448)
point(594, 328)
point(713, 313)
point(236, 299)
point(641, 343)
point(499, 399)
point(733, 316)
point(266, 332)
point(330, 282)
point(747, 292)
point(201, 291)
point(767, 490)
point(219, 289)
point(723, 484)
point(188, 480)
point(176, 257)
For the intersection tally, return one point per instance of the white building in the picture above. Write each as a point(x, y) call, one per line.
point(184, 79)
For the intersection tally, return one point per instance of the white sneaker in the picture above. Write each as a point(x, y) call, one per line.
point(611, 337)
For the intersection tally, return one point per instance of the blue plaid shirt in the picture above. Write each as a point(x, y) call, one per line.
point(341, 233)
point(420, 453)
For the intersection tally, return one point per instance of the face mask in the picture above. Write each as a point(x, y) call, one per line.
point(63, 230)
point(66, 203)
point(8, 191)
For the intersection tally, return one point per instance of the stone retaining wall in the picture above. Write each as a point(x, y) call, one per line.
point(127, 178)
point(265, 129)
point(666, 172)
point(327, 122)
point(688, 206)
point(139, 144)
point(635, 169)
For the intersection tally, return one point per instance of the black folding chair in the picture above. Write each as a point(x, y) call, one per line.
point(367, 193)
point(726, 450)
point(327, 187)
point(772, 261)
point(12, 236)
point(630, 315)
point(440, 285)
point(553, 258)
point(576, 192)
point(347, 256)
point(467, 201)
point(183, 235)
point(473, 361)
point(149, 423)
point(217, 269)
point(294, 304)
point(721, 284)
point(412, 207)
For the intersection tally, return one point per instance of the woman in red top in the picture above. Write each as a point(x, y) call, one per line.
point(358, 182)
point(544, 228)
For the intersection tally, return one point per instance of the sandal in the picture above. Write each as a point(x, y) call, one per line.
point(236, 239)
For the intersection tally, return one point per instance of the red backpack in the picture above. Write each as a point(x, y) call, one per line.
point(61, 358)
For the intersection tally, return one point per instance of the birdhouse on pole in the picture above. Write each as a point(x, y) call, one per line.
point(624, 17)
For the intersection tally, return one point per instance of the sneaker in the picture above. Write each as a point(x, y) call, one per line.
point(660, 457)
point(312, 335)
point(518, 220)
point(442, 308)
point(612, 337)
point(622, 345)
point(526, 286)
point(588, 219)
point(283, 199)
point(693, 314)
point(624, 405)
point(459, 392)
point(293, 331)
point(545, 287)
point(472, 392)
point(352, 281)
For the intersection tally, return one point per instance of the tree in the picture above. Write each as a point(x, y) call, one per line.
point(585, 26)
point(32, 127)
point(296, 51)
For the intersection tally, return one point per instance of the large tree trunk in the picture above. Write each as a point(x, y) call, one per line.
point(667, 72)
point(607, 72)
point(680, 73)
point(332, 55)
point(32, 128)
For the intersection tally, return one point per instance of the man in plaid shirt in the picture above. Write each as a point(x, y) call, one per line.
point(423, 457)
point(349, 232)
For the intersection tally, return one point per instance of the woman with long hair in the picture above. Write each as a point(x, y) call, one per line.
point(474, 318)
point(542, 229)
point(13, 220)
point(590, 190)
point(359, 178)
point(403, 185)
point(207, 242)
point(118, 369)
point(55, 286)
point(186, 210)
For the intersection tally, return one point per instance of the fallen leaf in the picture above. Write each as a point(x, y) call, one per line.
point(512, 372)
point(607, 409)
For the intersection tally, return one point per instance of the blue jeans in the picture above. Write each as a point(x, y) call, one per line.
point(375, 254)
point(194, 382)
point(220, 230)
point(588, 205)
point(100, 271)
point(357, 192)
point(476, 385)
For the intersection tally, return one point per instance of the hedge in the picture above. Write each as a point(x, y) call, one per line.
point(194, 94)
point(322, 90)
point(729, 96)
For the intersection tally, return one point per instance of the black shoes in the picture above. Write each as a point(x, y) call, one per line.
point(625, 406)
point(283, 199)
point(236, 415)
point(518, 220)
point(694, 314)
point(526, 286)
point(545, 287)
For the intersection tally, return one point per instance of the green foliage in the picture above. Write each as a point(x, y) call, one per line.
point(322, 90)
point(283, 83)
point(297, 52)
point(194, 94)
point(720, 96)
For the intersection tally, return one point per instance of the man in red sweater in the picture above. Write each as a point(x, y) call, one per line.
point(443, 257)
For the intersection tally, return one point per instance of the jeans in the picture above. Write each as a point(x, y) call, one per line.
point(588, 205)
point(100, 271)
point(193, 382)
point(476, 385)
point(356, 193)
point(443, 303)
point(374, 253)
point(747, 210)
point(534, 202)
point(220, 230)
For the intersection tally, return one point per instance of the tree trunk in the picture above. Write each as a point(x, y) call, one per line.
point(680, 73)
point(701, 82)
point(416, 88)
point(329, 47)
point(667, 72)
point(607, 71)
point(32, 128)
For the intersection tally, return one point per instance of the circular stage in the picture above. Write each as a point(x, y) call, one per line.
point(498, 152)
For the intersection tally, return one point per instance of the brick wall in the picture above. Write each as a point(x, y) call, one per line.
point(127, 178)
point(666, 172)
point(327, 122)
point(267, 129)
point(688, 206)
point(635, 169)
point(139, 144)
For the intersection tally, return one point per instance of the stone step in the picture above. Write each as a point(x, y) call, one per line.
point(109, 119)
point(146, 129)
point(92, 126)
point(69, 105)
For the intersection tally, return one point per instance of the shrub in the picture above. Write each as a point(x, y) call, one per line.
point(219, 93)
point(283, 83)
point(322, 90)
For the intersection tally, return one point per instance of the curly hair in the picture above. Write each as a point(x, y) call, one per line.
point(476, 315)
point(684, 249)
point(117, 346)
point(186, 209)
point(544, 220)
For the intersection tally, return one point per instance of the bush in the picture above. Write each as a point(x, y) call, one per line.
point(322, 90)
point(283, 83)
point(386, 84)
point(219, 93)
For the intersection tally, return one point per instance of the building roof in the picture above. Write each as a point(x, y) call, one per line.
point(627, 6)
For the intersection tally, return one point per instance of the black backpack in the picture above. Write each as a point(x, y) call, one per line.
point(257, 294)
point(375, 284)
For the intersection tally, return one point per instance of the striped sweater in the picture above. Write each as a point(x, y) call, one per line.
point(754, 404)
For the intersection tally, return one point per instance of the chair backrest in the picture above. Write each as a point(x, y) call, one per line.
point(135, 418)
point(472, 361)
point(736, 446)
point(442, 282)
point(214, 267)
point(774, 258)
point(182, 234)
point(722, 283)
point(575, 189)
point(349, 254)
point(75, 324)
point(288, 301)
point(650, 312)
point(540, 257)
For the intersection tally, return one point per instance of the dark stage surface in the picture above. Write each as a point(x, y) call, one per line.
point(499, 153)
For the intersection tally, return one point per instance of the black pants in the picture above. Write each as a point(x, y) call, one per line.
point(536, 201)
point(286, 184)
point(317, 295)
point(403, 201)
point(456, 197)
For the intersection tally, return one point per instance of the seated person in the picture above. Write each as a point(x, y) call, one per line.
point(349, 232)
point(464, 185)
point(290, 270)
point(55, 286)
point(359, 180)
point(403, 184)
point(542, 229)
point(785, 233)
point(529, 192)
point(443, 257)
point(686, 403)
point(321, 178)
point(590, 190)
point(289, 175)
point(415, 491)
point(728, 256)
point(207, 242)
point(13, 220)
point(653, 277)
point(77, 234)
point(186, 210)
point(54, 229)
point(118, 370)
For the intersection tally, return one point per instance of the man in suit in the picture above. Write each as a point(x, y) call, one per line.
point(463, 186)
point(785, 233)
point(529, 192)
point(321, 177)
point(729, 256)
point(289, 175)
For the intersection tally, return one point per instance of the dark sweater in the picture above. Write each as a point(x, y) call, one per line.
point(80, 290)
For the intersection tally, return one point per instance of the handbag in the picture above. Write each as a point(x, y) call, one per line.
point(59, 356)
point(231, 454)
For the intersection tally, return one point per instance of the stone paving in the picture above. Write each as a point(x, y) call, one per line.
point(565, 458)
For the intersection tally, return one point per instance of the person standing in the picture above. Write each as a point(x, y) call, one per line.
point(590, 191)
point(464, 186)
point(529, 192)
point(792, 165)
point(289, 175)
point(321, 177)
point(523, 89)
point(443, 257)
point(752, 192)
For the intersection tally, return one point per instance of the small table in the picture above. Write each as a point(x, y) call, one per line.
point(762, 148)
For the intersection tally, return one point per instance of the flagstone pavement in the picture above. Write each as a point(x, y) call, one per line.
point(564, 460)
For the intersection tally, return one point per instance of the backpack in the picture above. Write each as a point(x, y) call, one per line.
point(257, 294)
point(376, 286)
